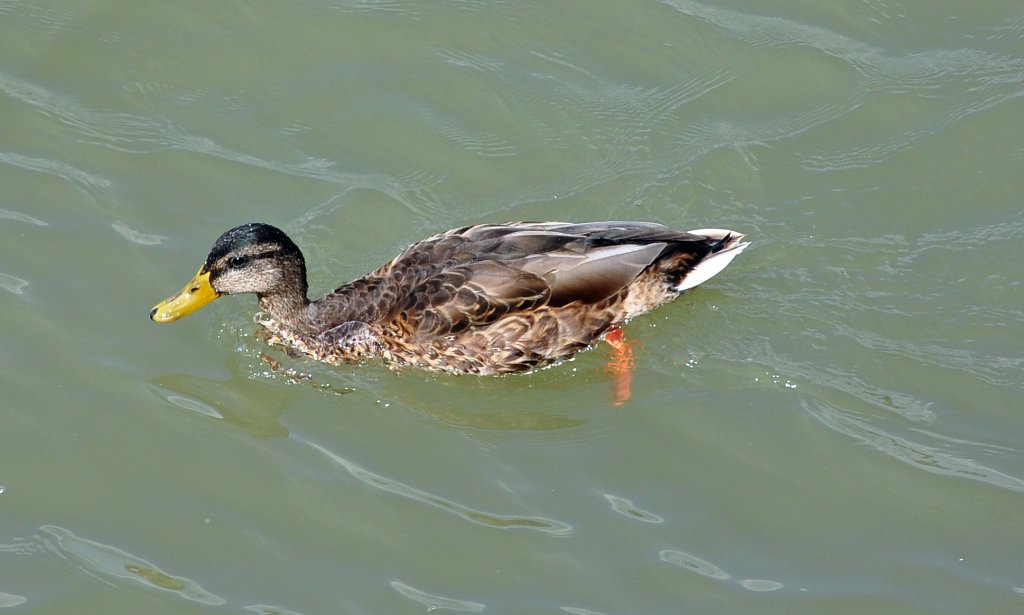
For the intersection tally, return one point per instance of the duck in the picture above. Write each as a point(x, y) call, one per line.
point(485, 299)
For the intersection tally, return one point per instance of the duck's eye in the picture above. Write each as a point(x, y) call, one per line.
point(237, 261)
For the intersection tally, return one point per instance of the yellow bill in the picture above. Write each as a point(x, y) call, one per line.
point(197, 293)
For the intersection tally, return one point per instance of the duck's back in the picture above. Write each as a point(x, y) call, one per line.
point(498, 298)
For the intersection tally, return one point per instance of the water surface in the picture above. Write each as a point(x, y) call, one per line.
point(831, 425)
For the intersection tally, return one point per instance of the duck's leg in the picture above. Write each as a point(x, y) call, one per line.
point(620, 365)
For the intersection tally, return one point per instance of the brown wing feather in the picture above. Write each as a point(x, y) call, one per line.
point(471, 295)
point(476, 275)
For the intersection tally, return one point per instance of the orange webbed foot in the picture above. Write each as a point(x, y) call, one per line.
point(620, 366)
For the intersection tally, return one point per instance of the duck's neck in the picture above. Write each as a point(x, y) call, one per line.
point(292, 310)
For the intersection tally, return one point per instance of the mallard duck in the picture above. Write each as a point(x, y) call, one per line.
point(485, 299)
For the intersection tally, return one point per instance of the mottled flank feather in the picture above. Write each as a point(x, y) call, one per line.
point(483, 299)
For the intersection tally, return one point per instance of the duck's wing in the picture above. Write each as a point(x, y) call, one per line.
point(468, 295)
point(588, 273)
point(503, 269)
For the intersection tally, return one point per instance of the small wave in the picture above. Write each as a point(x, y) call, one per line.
point(434, 602)
point(108, 562)
point(922, 456)
point(504, 522)
point(627, 509)
point(693, 563)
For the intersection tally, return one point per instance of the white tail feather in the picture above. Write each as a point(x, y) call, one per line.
point(712, 265)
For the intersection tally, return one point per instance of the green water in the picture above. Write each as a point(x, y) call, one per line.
point(833, 425)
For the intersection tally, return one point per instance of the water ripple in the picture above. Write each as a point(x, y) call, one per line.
point(626, 508)
point(44, 22)
point(987, 367)
point(838, 379)
point(374, 6)
point(53, 167)
point(707, 569)
point(9, 600)
point(144, 239)
point(475, 61)
point(575, 610)
point(21, 548)
point(981, 79)
point(618, 123)
point(504, 522)
point(13, 284)
point(106, 561)
point(267, 609)
point(693, 563)
point(928, 458)
point(479, 143)
point(20, 217)
point(137, 134)
point(760, 585)
point(434, 602)
point(1011, 27)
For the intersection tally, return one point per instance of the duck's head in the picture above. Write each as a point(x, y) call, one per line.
point(252, 258)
